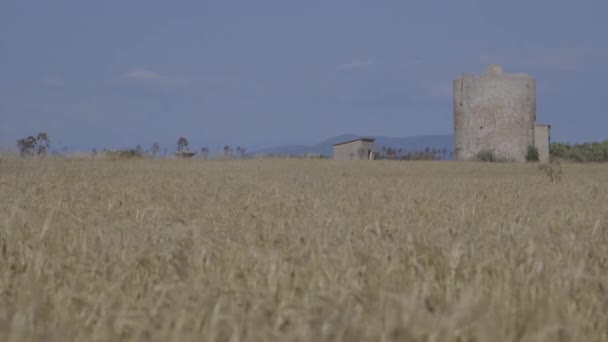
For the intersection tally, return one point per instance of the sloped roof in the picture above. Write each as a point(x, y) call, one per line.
point(350, 141)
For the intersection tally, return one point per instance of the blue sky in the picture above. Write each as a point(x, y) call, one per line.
point(120, 73)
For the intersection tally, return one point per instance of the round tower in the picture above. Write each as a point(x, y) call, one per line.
point(494, 112)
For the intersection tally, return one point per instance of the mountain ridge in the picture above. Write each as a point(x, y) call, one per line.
point(407, 144)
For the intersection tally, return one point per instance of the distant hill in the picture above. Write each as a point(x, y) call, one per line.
point(408, 144)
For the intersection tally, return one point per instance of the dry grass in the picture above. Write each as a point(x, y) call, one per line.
point(301, 250)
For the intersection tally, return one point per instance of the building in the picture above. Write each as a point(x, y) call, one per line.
point(358, 149)
point(542, 141)
point(494, 112)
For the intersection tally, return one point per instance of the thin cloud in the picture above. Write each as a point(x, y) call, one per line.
point(151, 76)
point(357, 64)
point(142, 74)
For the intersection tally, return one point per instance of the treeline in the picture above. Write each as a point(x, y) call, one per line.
point(183, 150)
point(584, 152)
point(391, 153)
point(40, 144)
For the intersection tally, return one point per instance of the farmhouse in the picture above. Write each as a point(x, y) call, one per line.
point(358, 149)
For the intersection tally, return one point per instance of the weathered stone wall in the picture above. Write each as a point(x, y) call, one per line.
point(495, 111)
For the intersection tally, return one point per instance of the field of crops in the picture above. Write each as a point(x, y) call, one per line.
point(301, 250)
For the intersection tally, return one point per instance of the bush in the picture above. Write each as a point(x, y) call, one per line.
point(486, 156)
point(585, 152)
point(532, 155)
point(552, 170)
point(578, 156)
point(125, 154)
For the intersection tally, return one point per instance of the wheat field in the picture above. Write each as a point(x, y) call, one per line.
point(301, 250)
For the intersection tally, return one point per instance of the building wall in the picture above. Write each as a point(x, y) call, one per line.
point(368, 149)
point(356, 150)
point(542, 141)
point(494, 111)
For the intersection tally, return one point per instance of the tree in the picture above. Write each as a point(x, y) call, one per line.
point(27, 146)
point(242, 151)
point(204, 152)
point(155, 149)
point(139, 150)
point(94, 153)
point(434, 153)
point(182, 144)
point(399, 153)
point(227, 151)
point(43, 143)
point(391, 153)
point(429, 153)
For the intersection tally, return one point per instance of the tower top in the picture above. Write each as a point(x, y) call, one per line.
point(494, 69)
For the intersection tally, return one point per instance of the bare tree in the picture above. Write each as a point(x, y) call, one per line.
point(155, 149)
point(139, 151)
point(391, 153)
point(26, 146)
point(94, 153)
point(204, 152)
point(227, 151)
point(43, 143)
point(242, 151)
point(182, 144)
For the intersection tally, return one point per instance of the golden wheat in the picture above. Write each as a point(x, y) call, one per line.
point(301, 250)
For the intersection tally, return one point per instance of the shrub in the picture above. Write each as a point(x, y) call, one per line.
point(131, 153)
point(585, 152)
point(125, 154)
point(552, 170)
point(578, 156)
point(532, 155)
point(486, 156)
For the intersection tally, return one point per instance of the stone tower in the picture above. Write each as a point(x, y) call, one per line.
point(495, 111)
